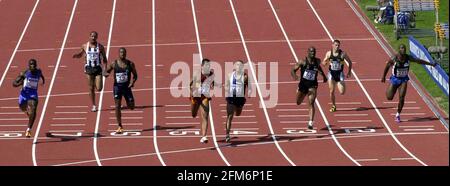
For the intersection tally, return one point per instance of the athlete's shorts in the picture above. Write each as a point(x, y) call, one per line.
point(199, 100)
point(119, 91)
point(93, 71)
point(236, 101)
point(397, 80)
point(27, 95)
point(304, 86)
point(336, 76)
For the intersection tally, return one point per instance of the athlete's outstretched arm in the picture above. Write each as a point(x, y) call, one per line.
point(135, 75)
point(349, 61)
point(19, 80)
point(79, 54)
point(422, 62)
point(386, 69)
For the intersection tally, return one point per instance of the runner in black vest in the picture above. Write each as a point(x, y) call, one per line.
point(123, 68)
point(308, 81)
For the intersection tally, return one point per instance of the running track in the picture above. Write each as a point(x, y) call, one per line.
point(160, 130)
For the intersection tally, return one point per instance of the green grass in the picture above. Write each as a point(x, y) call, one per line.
point(423, 20)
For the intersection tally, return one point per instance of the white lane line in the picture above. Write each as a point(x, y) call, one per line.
point(97, 121)
point(224, 105)
point(178, 117)
point(14, 125)
point(13, 119)
point(155, 139)
point(242, 122)
point(55, 71)
point(408, 108)
point(11, 113)
point(416, 126)
point(113, 118)
point(288, 122)
point(243, 110)
point(317, 101)
point(54, 131)
point(127, 130)
point(288, 104)
point(346, 103)
point(177, 105)
point(68, 125)
point(367, 159)
point(216, 145)
point(16, 107)
point(183, 123)
point(128, 112)
point(18, 43)
point(130, 124)
point(71, 112)
point(292, 116)
point(289, 110)
point(69, 118)
point(253, 72)
point(399, 159)
point(346, 109)
point(409, 114)
point(366, 93)
point(354, 121)
point(396, 102)
point(177, 111)
point(242, 116)
point(426, 129)
point(71, 106)
point(353, 115)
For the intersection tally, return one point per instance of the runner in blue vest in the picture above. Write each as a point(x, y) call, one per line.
point(28, 98)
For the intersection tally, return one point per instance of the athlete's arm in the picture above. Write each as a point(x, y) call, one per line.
point(103, 53)
point(422, 62)
point(349, 61)
point(134, 72)
point(386, 69)
point(295, 69)
point(246, 85)
point(79, 54)
point(109, 68)
point(323, 74)
point(326, 59)
point(227, 86)
point(43, 78)
point(19, 80)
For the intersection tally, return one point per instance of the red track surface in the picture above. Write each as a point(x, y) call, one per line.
point(421, 137)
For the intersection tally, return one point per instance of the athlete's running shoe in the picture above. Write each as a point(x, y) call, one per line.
point(28, 134)
point(397, 118)
point(119, 130)
point(227, 138)
point(94, 108)
point(204, 139)
point(310, 125)
point(333, 108)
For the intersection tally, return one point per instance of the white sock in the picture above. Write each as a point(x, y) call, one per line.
point(310, 123)
point(398, 114)
point(28, 129)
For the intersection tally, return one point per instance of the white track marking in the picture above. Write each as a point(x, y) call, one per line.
point(317, 101)
point(67, 125)
point(354, 121)
point(155, 139)
point(216, 145)
point(18, 43)
point(97, 121)
point(289, 110)
point(366, 93)
point(55, 71)
point(269, 123)
point(352, 115)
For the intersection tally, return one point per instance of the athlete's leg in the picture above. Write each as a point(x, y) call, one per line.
point(230, 114)
point(204, 111)
point(32, 107)
point(195, 105)
point(98, 82)
point(332, 85)
point(300, 97)
point(311, 99)
point(391, 90)
point(341, 87)
point(91, 85)
point(402, 94)
point(118, 105)
point(129, 98)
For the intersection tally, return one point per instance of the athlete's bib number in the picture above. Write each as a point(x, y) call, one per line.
point(402, 72)
point(309, 75)
point(93, 56)
point(31, 83)
point(121, 77)
point(335, 65)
